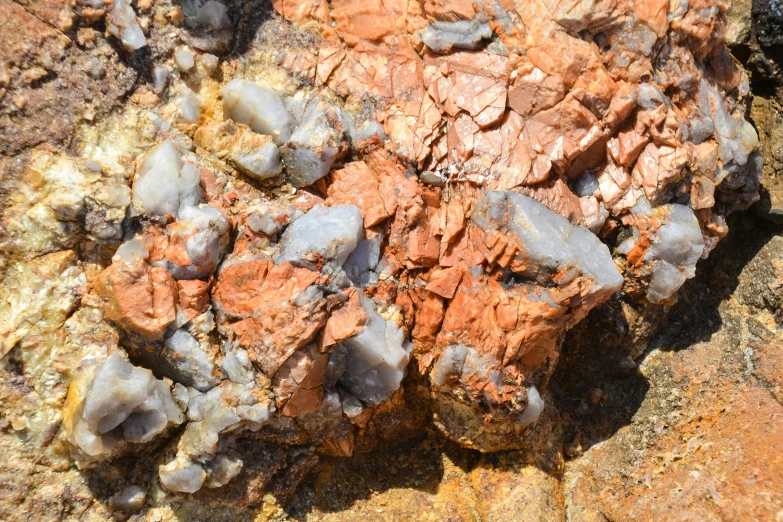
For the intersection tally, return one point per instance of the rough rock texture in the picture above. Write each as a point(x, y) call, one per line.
point(245, 244)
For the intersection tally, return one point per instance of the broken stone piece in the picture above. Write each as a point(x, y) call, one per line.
point(324, 234)
point(376, 358)
point(442, 37)
point(164, 182)
point(315, 143)
point(121, 402)
point(262, 109)
point(121, 23)
point(254, 154)
point(140, 298)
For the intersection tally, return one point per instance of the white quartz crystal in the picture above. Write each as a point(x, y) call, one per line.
point(187, 362)
point(204, 232)
point(182, 475)
point(329, 232)
point(376, 358)
point(184, 59)
point(129, 500)
point(549, 239)
point(121, 23)
point(123, 402)
point(259, 162)
point(534, 408)
point(462, 34)
point(260, 108)
point(222, 469)
point(676, 248)
point(164, 181)
point(314, 144)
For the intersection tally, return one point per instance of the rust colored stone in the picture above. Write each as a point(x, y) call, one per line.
point(246, 287)
point(140, 298)
point(193, 296)
point(346, 321)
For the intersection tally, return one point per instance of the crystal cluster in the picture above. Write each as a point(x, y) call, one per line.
point(445, 191)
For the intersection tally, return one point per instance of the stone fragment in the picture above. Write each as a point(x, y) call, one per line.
point(184, 360)
point(129, 500)
point(442, 37)
point(356, 184)
point(314, 144)
point(323, 235)
point(120, 403)
point(260, 108)
point(121, 23)
point(197, 241)
point(164, 182)
point(673, 254)
point(139, 297)
point(547, 242)
point(254, 154)
point(377, 357)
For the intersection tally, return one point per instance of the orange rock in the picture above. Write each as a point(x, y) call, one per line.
point(246, 287)
point(298, 383)
point(140, 298)
point(193, 296)
point(356, 184)
point(346, 321)
point(273, 336)
point(444, 282)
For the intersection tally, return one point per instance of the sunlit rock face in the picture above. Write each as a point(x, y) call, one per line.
point(426, 195)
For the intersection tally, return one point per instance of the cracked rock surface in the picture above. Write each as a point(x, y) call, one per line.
point(390, 260)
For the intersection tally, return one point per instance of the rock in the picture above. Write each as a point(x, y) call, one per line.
point(677, 246)
point(120, 403)
point(323, 235)
point(121, 23)
point(129, 500)
point(254, 154)
point(184, 361)
point(164, 182)
point(768, 18)
point(442, 37)
point(315, 143)
point(184, 59)
point(547, 242)
point(139, 297)
point(260, 108)
point(376, 359)
point(197, 241)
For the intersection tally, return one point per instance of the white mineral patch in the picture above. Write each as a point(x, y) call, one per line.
point(204, 232)
point(550, 240)
point(121, 23)
point(189, 363)
point(184, 59)
point(262, 109)
point(164, 181)
point(441, 37)
point(377, 357)
point(123, 402)
point(314, 144)
point(329, 232)
point(677, 246)
point(129, 500)
point(535, 406)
